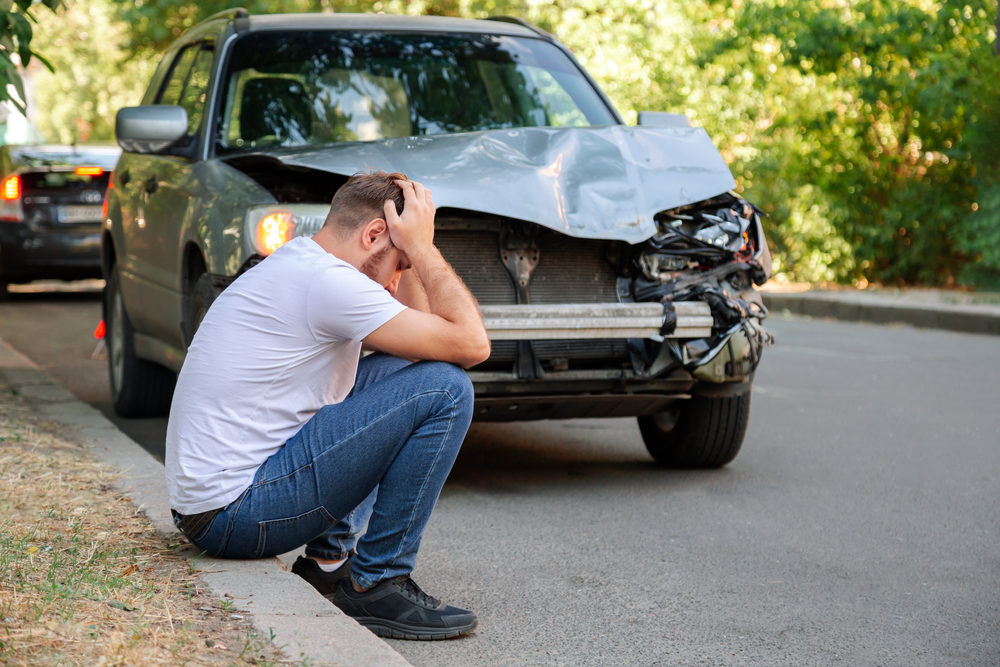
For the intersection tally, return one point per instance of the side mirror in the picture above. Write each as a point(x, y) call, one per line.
point(663, 119)
point(150, 129)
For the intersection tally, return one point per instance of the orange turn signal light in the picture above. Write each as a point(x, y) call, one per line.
point(274, 231)
point(10, 188)
point(88, 171)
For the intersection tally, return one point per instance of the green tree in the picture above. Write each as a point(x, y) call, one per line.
point(94, 73)
point(896, 135)
point(15, 46)
point(154, 25)
point(866, 128)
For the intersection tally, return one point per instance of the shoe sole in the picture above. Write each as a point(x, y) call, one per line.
point(391, 630)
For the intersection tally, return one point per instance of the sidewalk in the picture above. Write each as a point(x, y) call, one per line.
point(970, 312)
point(280, 604)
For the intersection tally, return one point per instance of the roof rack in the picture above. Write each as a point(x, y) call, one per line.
point(234, 13)
point(525, 24)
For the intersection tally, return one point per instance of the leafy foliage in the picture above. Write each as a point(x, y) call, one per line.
point(865, 128)
point(15, 46)
point(94, 74)
point(890, 101)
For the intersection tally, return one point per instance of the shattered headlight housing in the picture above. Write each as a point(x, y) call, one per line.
point(654, 264)
point(712, 252)
point(722, 231)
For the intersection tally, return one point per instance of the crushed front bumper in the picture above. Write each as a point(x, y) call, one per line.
point(675, 339)
point(692, 319)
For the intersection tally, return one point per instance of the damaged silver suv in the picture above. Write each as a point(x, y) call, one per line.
point(614, 268)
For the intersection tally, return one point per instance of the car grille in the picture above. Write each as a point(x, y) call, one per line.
point(569, 270)
point(475, 257)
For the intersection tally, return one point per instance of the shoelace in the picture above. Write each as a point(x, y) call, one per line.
point(410, 586)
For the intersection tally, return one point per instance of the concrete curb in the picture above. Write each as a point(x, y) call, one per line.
point(303, 623)
point(887, 310)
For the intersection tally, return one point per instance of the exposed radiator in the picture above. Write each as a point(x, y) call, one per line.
point(569, 270)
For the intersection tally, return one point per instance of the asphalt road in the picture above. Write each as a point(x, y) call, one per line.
point(859, 526)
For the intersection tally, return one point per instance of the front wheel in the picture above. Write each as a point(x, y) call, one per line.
point(703, 432)
point(139, 388)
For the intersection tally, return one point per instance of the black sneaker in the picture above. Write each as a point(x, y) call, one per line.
point(324, 582)
point(398, 609)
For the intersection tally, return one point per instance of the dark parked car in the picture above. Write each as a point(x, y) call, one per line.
point(615, 270)
point(50, 211)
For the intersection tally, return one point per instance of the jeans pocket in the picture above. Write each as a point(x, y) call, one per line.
point(280, 535)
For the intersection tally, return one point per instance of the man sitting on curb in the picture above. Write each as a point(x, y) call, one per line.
point(279, 436)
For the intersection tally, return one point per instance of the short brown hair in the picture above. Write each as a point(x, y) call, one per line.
point(362, 198)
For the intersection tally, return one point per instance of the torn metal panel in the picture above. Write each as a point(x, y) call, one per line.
point(736, 356)
point(603, 183)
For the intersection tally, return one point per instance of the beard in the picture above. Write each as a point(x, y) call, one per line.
point(371, 265)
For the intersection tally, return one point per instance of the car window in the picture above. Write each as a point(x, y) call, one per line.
point(193, 95)
point(556, 102)
point(316, 87)
point(174, 85)
point(187, 83)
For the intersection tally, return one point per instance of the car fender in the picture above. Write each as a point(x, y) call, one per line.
point(214, 220)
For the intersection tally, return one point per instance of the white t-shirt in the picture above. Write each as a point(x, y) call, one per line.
point(277, 345)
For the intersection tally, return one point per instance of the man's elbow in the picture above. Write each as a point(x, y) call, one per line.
point(477, 351)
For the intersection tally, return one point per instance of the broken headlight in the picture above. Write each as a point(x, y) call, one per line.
point(724, 230)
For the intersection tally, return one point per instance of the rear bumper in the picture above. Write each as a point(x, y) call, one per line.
point(28, 253)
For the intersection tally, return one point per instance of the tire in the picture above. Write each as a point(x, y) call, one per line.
point(703, 432)
point(139, 388)
point(196, 306)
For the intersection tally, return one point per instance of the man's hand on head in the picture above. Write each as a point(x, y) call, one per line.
point(413, 231)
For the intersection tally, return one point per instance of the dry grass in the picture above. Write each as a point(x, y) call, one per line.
point(84, 577)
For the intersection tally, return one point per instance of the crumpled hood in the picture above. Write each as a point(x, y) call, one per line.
point(605, 182)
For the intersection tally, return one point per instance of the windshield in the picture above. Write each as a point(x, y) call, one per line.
point(315, 88)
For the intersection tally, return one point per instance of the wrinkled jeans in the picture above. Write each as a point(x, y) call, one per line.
point(379, 457)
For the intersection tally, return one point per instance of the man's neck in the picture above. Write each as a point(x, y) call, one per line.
point(339, 247)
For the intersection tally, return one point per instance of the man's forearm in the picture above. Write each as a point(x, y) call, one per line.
point(411, 292)
point(447, 296)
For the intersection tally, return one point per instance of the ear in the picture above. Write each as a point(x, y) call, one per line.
point(372, 230)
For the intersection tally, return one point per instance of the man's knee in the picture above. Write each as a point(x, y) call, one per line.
point(374, 367)
point(450, 378)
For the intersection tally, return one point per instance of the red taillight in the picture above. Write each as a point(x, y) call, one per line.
point(104, 202)
point(88, 171)
point(10, 188)
point(99, 331)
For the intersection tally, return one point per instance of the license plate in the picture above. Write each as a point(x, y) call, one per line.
point(78, 213)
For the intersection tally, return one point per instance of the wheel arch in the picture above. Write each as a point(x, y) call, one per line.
point(193, 265)
point(109, 256)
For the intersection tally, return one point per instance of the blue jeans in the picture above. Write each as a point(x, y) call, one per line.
point(379, 457)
